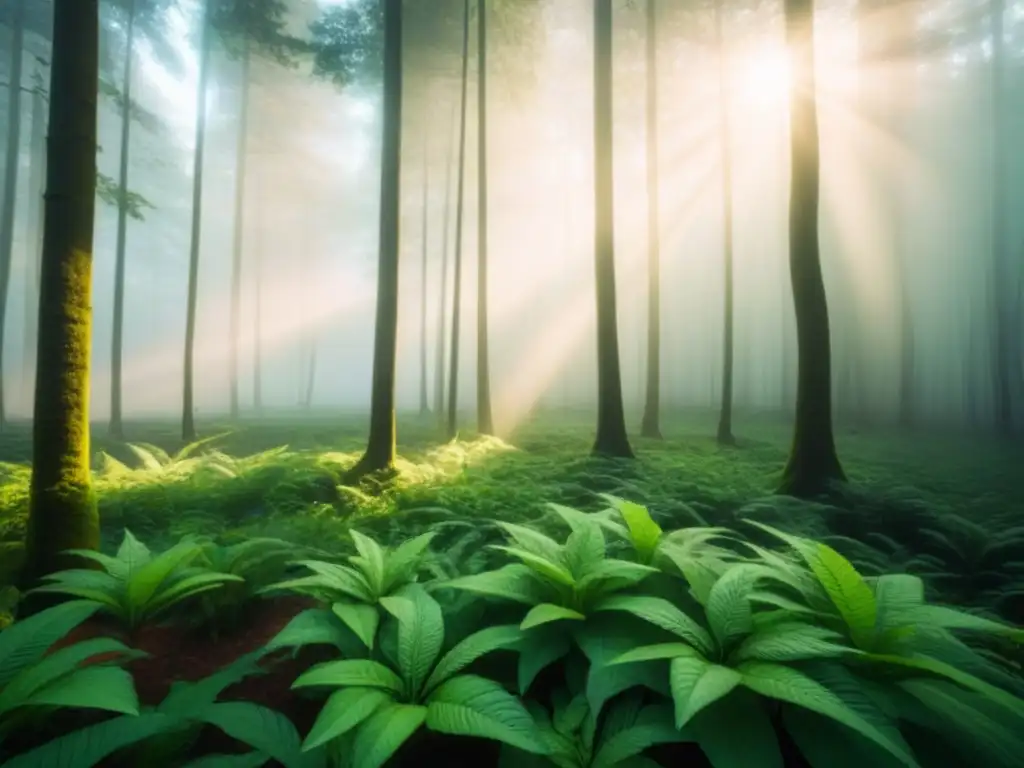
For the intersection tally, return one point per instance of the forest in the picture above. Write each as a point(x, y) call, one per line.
point(513, 383)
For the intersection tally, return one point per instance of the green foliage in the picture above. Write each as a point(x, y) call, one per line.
point(110, 193)
point(348, 42)
point(135, 586)
point(33, 681)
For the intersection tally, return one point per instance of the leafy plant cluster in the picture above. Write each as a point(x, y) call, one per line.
point(616, 644)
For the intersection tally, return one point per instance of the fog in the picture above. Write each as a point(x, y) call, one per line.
point(914, 189)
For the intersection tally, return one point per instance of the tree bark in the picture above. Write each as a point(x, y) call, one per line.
point(257, 318)
point(453, 371)
point(62, 509)
point(424, 402)
point(10, 180)
point(242, 154)
point(611, 438)
point(813, 464)
point(34, 246)
point(188, 425)
point(484, 413)
point(380, 449)
point(439, 359)
point(117, 340)
point(650, 424)
point(725, 436)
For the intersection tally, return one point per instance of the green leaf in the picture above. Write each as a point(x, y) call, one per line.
point(420, 634)
point(615, 751)
point(778, 682)
point(848, 591)
point(361, 618)
point(643, 531)
point(247, 760)
point(790, 641)
point(511, 582)
point(24, 642)
point(370, 560)
point(728, 608)
point(314, 626)
point(400, 564)
point(343, 711)
point(351, 672)
point(534, 542)
point(952, 619)
point(145, 581)
point(737, 733)
point(380, 736)
point(661, 613)
point(611, 575)
point(474, 706)
point(657, 652)
point(538, 650)
point(472, 648)
point(827, 744)
point(553, 572)
point(696, 684)
point(186, 698)
point(584, 549)
point(548, 612)
point(264, 729)
point(332, 577)
point(895, 595)
point(188, 587)
point(107, 688)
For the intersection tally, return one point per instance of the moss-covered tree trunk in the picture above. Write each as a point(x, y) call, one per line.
point(117, 340)
point(10, 190)
point(611, 439)
point(452, 426)
point(650, 424)
point(62, 511)
point(380, 448)
point(188, 424)
point(813, 462)
point(725, 436)
point(484, 413)
point(425, 232)
point(242, 153)
point(442, 313)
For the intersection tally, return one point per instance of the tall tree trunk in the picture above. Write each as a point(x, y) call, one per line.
point(34, 245)
point(439, 359)
point(312, 340)
point(11, 158)
point(611, 439)
point(424, 404)
point(380, 448)
point(257, 319)
point(484, 414)
point(117, 341)
point(725, 436)
point(238, 237)
point(1004, 354)
point(62, 509)
point(650, 424)
point(453, 371)
point(188, 425)
point(813, 463)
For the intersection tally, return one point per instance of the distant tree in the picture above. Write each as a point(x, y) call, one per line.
point(442, 308)
point(425, 213)
point(611, 439)
point(484, 414)
point(62, 510)
point(813, 462)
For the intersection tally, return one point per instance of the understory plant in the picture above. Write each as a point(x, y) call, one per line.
point(135, 586)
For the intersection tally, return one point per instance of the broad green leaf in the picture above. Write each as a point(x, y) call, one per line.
point(785, 684)
point(658, 652)
point(339, 578)
point(115, 568)
point(552, 571)
point(188, 587)
point(614, 752)
point(472, 648)
point(696, 684)
point(546, 613)
point(534, 542)
point(584, 549)
point(606, 681)
point(728, 608)
point(952, 619)
point(737, 733)
point(420, 634)
point(512, 582)
point(107, 688)
point(661, 613)
point(612, 575)
point(827, 744)
point(145, 581)
point(264, 729)
point(848, 591)
point(314, 626)
point(790, 641)
point(370, 560)
point(380, 736)
point(24, 642)
point(400, 564)
point(474, 706)
point(343, 711)
point(186, 698)
point(643, 531)
point(569, 718)
point(361, 618)
point(895, 595)
point(132, 553)
point(351, 672)
point(537, 651)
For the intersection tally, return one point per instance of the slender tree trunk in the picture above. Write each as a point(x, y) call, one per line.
point(10, 180)
point(257, 319)
point(380, 449)
point(439, 360)
point(117, 341)
point(34, 246)
point(1004, 355)
point(188, 425)
point(242, 153)
point(725, 436)
point(650, 424)
point(611, 439)
point(62, 509)
point(484, 414)
point(307, 396)
point(453, 372)
point(813, 463)
point(424, 403)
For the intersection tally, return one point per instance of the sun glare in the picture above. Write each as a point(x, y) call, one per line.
point(763, 77)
